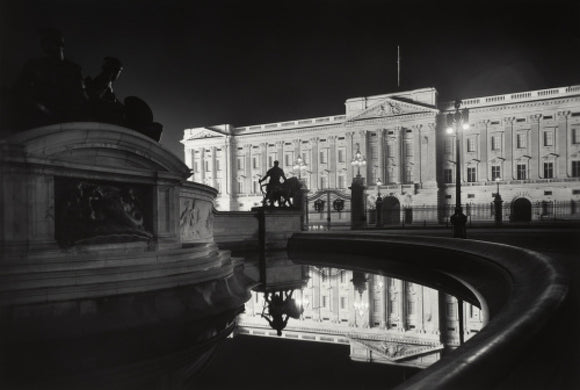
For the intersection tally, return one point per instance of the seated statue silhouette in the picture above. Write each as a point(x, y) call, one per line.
point(104, 104)
point(50, 89)
point(134, 113)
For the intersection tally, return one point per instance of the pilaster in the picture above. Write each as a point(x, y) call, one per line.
point(332, 162)
point(349, 135)
point(562, 145)
point(314, 183)
point(534, 168)
point(510, 138)
point(381, 154)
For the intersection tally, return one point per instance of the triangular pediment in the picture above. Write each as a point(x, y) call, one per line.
point(204, 132)
point(395, 351)
point(392, 107)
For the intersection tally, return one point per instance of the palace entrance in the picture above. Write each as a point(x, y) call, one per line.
point(521, 210)
point(391, 211)
point(328, 209)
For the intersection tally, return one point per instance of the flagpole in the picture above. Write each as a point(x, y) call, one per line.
point(398, 68)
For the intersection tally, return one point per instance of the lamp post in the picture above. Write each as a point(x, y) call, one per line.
point(357, 196)
point(457, 121)
point(299, 166)
point(358, 161)
point(497, 202)
point(379, 205)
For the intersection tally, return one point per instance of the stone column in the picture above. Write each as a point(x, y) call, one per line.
point(212, 167)
point(381, 154)
point(561, 148)
point(363, 144)
point(280, 152)
point(416, 139)
point(511, 145)
point(249, 188)
point(349, 155)
point(332, 162)
point(534, 167)
point(264, 158)
point(202, 157)
point(314, 164)
point(402, 305)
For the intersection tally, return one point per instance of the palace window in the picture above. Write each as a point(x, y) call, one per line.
point(323, 182)
point(343, 302)
point(255, 164)
point(341, 181)
point(496, 142)
point(288, 157)
point(521, 141)
point(341, 154)
point(576, 135)
point(471, 144)
point(448, 175)
point(522, 172)
point(218, 165)
point(239, 162)
point(196, 167)
point(576, 168)
point(548, 138)
point(324, 156)
point(408, 149)
point(548, 170)
point(324, 299)
point(305, 158)
point(271, 159)
point(495, 172)
point(206, 165)
point(471, 175)
point(240, 186)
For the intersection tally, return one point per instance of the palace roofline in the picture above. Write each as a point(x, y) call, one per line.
point(476, 102)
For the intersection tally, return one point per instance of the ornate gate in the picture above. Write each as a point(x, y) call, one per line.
point(328, 209)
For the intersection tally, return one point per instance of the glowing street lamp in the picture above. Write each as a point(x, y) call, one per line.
point(299, 166)
point(457, 121)
point(358, 160)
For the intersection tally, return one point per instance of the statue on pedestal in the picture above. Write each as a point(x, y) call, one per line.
point(50, 89)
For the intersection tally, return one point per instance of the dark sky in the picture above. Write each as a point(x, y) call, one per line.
point(246, 62)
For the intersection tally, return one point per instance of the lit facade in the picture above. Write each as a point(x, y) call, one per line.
point(386, 320)
point(529, 141)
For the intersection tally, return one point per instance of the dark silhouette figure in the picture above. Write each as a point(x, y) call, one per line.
point(275, 174)
point(50, 89)
point(134, 113)
point(104, 104)
point(280, 307)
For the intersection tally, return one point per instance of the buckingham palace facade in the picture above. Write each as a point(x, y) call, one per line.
point(526, 144)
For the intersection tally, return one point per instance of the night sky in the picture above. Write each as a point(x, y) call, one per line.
point(248, 62)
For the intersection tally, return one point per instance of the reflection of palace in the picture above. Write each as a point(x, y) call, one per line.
point(382, 319)
point(528, 140)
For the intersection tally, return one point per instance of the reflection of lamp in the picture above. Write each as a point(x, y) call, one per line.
point(299, 166)
point(361, 307)
point(456, 121)
point(358, 160)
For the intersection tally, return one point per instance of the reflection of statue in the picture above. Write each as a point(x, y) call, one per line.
point(50, 89)
point(104, 104)
point(281, 307)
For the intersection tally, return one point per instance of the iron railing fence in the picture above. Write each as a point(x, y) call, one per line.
point(516, 212)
